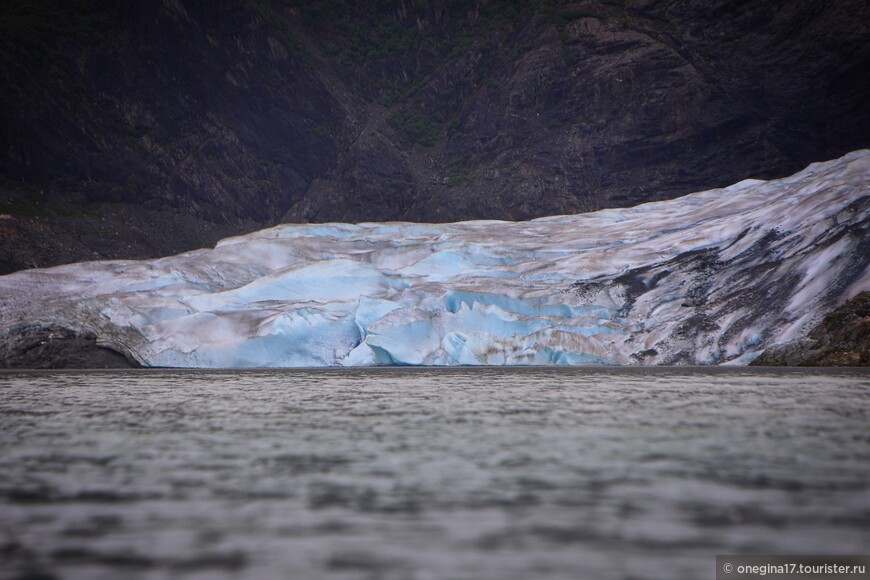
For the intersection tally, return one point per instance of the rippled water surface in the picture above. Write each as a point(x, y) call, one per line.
point(427, 473)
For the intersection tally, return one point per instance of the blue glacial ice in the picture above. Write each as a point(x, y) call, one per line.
point(710, 278)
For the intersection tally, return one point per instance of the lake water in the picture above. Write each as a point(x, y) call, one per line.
point(464, 473)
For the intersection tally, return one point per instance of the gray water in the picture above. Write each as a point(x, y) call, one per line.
point(427, 473)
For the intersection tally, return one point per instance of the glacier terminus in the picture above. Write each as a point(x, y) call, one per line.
point(710, 278)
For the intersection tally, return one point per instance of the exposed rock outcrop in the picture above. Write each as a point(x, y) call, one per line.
point(842, 339)
point(57, 347)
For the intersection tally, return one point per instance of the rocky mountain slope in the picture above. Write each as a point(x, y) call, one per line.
point(714, 277)
point(141, 129)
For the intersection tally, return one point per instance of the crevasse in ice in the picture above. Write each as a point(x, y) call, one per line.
point(710, 278)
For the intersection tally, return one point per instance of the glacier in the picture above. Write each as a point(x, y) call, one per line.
point(713, 277)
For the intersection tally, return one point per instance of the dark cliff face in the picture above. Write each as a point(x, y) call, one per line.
point(166, 104)
point(233, 115)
